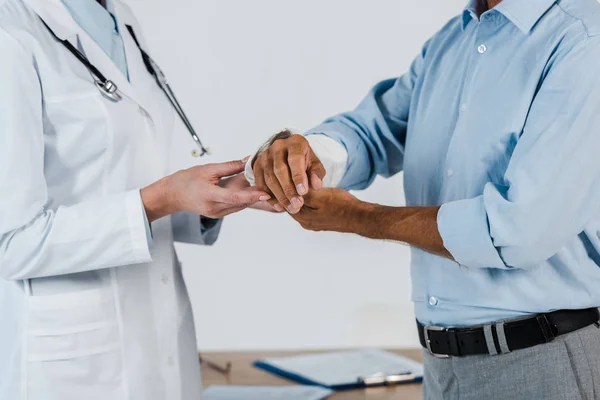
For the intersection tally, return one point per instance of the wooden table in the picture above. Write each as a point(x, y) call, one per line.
point(243, 373)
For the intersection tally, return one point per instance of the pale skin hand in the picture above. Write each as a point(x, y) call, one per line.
point(287, 170)
point(201, 190)
point(239, 182)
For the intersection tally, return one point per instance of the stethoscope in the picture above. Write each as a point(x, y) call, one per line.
point(111, 91)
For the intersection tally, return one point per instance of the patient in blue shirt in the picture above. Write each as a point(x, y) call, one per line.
point(496, 128)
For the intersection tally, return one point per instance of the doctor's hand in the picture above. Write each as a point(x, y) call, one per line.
point(287, 169)
point(331, 210)
point(198, 190)
point(239, 182)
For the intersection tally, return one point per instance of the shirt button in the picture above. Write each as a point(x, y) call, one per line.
point(164, 279)
point(170, 361)
point(433, 301)
point(449, 172)
point(482, 48)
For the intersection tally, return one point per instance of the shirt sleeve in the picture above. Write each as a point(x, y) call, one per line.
point(193, 229)
point(551, 188)
point(374, 134)
point(36, 241)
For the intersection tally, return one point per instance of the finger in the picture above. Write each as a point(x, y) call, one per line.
point(265, 206)
point(316, 182)
point(310, 199)
point(230, 210)
point(235, 182)
point(259, 177)
point(297, 164)
point(284, 177)
point(317, 172)
point(236, 197)
point(274, 187)
point(225, 169)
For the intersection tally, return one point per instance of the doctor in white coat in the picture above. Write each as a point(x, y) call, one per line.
point(92, 301)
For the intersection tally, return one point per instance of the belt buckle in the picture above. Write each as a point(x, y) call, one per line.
point(426, 331)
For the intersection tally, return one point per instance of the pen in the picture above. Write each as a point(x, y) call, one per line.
point(382, 379)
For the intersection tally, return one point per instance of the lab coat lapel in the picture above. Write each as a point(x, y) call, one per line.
point(58, 18)
point(139, 76)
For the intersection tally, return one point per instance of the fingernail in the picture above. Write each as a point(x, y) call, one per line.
point(264, 198)
point(245, 159)
point(277, 207)
point(301, 189)
point(296, 202)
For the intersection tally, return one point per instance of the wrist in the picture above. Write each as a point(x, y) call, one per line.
point(360, 217)
point(370, 220)
point(159, 199)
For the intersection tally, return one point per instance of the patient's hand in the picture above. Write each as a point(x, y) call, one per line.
point(331, 210)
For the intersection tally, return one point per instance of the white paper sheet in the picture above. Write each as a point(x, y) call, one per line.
point(266, 393)
point(342, 368)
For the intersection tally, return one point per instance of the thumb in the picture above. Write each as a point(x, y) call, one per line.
point(225, 169)
point(316, 172)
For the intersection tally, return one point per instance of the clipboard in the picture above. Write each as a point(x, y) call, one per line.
point(345, 370)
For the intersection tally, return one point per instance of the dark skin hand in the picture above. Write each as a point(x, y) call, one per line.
point(292, 174)
point(338, 211)
point(284, 171)
point(287, 169)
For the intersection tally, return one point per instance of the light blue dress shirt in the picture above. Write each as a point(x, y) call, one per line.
point(497, 121)
point(101, 24)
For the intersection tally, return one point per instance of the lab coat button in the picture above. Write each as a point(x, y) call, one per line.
point(433, 301)
point(171, 361)
point(463, 107)
point(482, 48)
point(164, 279)
point(449, 172)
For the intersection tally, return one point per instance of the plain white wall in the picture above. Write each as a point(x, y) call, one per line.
point(244, 69)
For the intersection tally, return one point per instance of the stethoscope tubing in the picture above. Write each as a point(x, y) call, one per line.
point(110, 90)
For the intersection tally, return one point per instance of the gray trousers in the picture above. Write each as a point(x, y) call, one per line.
point(567, 368)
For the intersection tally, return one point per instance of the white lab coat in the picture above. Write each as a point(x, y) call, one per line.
point(88, 309)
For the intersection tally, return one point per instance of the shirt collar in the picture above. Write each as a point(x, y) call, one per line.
point(91, 13)
point(471, 11)
point(523, 13)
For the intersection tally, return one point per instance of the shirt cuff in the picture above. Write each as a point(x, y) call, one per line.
point(138, 227)
point(147, 225)
point(332, 154)
point(208, 223)
point(465, 230)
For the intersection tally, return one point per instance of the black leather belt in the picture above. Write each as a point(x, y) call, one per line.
point(519, 334)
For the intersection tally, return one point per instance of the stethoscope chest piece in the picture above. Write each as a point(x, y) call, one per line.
point(109, 90)
point(200, 152)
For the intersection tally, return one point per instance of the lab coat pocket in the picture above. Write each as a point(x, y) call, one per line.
point(73, 346)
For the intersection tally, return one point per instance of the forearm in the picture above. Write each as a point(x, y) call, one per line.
point(157, 200)
point(94, 234)
point(416, 226)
